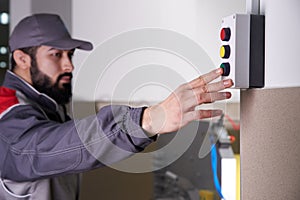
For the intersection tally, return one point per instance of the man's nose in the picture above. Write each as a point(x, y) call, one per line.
point(68, 65)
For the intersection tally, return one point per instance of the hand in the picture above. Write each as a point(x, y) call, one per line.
point(178, 109)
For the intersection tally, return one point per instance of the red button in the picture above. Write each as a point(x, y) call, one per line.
point(225, 34)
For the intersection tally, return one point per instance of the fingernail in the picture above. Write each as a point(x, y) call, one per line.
point(227, 95)
point(219, 71)
point(227, 83)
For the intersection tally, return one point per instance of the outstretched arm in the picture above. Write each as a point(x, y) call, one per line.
point(178, 109)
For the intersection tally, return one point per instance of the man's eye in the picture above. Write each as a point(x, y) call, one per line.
point(57, 55)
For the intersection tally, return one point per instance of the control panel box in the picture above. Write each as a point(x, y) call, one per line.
point(242, 50)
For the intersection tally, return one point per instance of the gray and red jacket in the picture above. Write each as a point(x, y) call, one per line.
point(43, 150)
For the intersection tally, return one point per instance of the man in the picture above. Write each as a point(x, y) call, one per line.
point(42, 149)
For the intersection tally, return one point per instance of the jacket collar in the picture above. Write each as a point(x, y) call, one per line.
point(15, 82)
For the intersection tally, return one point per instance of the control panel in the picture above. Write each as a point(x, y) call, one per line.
point(242, 50)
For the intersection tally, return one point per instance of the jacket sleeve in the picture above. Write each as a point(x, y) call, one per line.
point(33, 147)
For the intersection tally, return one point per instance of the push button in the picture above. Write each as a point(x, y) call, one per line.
point(225, 51)
point(225, 34)
point(226, 69)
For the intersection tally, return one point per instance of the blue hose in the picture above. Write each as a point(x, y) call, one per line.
point(214, 165)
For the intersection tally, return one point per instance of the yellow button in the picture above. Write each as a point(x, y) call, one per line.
point(222, 51)
point(225, 51)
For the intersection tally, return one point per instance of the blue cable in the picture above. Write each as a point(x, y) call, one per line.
point(214, 165)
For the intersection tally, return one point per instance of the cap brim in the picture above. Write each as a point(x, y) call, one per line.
point(69, 43)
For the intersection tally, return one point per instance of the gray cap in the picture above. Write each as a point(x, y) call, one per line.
point(44, 29)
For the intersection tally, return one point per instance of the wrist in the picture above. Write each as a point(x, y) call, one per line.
point(147, 123)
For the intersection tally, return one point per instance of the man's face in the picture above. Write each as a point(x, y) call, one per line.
point(52, 73)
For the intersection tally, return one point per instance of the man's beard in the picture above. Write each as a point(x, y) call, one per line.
point(42, 83)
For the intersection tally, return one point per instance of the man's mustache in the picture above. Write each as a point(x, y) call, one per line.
point(68, 74)
point(63, 75)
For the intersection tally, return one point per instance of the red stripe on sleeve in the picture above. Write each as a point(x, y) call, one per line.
point(7, 98)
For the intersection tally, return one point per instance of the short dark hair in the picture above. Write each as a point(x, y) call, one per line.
point(31, 51)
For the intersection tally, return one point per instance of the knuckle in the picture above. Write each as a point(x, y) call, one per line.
point(205, 89)
point(213, 98)
point(202, 80)
point(203, 98)
point(199, 99)
point(221, 85)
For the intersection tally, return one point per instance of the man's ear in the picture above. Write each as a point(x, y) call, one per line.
point(23, 64)
point(23, 60)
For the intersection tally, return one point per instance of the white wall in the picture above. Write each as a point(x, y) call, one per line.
point(60, 7)
point(20, 9)
point(102, 20)
point(282, 42)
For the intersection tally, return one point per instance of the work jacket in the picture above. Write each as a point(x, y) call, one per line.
point(43, 151)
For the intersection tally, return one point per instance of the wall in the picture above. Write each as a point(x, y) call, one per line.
point(270, 117)
point(102, 21)
point(282, 42)
point(60, 7)
point(270, 158)
point(20, 9)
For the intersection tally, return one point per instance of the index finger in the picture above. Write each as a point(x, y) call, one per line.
point(206, 78)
